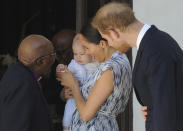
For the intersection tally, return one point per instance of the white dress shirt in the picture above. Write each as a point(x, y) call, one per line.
point(141, 34)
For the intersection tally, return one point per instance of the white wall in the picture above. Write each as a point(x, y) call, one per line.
point(167, 15)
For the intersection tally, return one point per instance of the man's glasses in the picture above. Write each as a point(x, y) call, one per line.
point(45, 56)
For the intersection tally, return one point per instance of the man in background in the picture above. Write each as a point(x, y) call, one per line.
point(53, 91)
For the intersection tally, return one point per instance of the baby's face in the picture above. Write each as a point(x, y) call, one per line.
point(80, 57)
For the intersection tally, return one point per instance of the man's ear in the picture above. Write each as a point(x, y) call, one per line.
point(114, 33)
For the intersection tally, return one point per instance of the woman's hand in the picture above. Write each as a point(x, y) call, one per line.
point(144, 112)
point(67, 78)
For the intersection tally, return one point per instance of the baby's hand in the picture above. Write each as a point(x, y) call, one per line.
point(60, 68)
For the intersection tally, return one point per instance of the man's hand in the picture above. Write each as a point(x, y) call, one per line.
point(144, 112)
point(65, 93)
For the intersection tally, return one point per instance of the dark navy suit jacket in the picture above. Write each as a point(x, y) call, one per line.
point(22, 104)
point(158, 80)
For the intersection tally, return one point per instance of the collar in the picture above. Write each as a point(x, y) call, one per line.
point(141, 34)
point(36, 75)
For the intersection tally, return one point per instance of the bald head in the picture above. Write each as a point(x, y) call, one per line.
point(32, 47)
point(63, 39)
point(62, 42)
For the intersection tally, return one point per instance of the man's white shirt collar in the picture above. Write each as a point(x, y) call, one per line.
point(141, 34)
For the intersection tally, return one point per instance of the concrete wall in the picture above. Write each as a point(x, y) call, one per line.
point(167, 15)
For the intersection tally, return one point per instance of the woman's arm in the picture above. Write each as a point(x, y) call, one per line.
point(98, 95)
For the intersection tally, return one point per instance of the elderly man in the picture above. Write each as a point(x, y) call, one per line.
point(22, 104)
point(62, 41)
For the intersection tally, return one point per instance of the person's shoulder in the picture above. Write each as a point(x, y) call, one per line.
point(72, 62)
point(17, 78)
point(123, 56)
point(120, 59)
point(17, 73)
point(93, 65)
point(74, 66)
point(160, 42)
point(116, 63)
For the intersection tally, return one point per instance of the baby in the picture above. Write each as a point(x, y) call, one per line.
point(81, 66)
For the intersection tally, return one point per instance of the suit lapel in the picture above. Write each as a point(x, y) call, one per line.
point(143, 43)
point(137, 60)
point(136, 65)
point(37, 85)
point(41, 93)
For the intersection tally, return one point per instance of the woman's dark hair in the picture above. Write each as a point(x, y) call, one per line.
point(90, 33)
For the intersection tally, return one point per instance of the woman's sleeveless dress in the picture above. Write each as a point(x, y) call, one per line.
point(105, 118)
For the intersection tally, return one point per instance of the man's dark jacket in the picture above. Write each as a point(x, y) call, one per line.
point(158, 80)
point(22, 104)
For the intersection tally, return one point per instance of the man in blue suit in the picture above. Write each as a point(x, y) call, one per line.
point(22, 104)
point(158, 69)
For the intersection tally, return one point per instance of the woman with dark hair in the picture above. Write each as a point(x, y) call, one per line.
point(105, 92)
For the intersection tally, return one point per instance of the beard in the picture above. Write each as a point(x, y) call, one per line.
point(124, 48)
